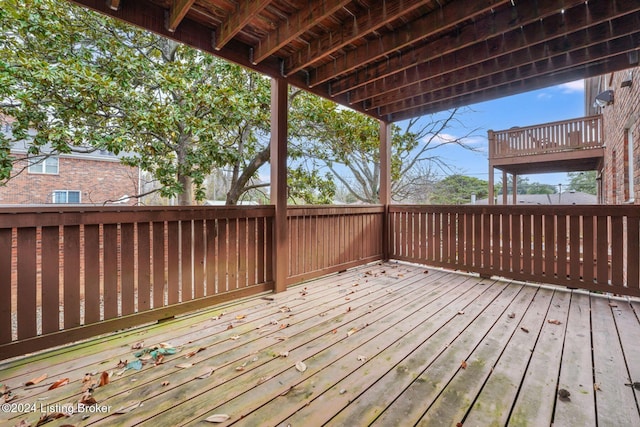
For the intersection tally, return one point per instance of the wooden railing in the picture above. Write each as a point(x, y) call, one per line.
point(72, 273)
point(325, 239)
point(591, 247)
point(576, 134)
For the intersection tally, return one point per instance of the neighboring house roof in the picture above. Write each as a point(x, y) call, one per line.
point(565, 198)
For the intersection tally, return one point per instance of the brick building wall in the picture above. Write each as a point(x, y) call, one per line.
point(98, 180)
point(621, 122)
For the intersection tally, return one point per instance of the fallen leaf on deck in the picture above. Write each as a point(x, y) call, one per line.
point(239, 368)
point(554, 321)
point(165, 383)
point(596, 387)
point(217, 418)
point(463, 364)
point(230, 326)
point(46, 418)
point(335, 331)
point(137, 346)
point(461, 312)
point(300, 366)
point(525, 330)
point(284, 354)
point(284, 325)
point(136, 364)
point(165, 345)
point(193, 352)
point(59, 383)
point(34, 381)
point(184, 365)
point(235, 337)
point(240, 316)
point(130, 406)
point(347, 298)
point(104, 379)
point(563, 394)
point(159, 360)
point(351, 332)
point(268, 298)
point(362, 358)
point(342, 391)
point(263, 379)
point(356, 284)
point(285, 309)
point(206, 374)
point(348, 309)
point(121, 364)
point(511, 315)
point(426, 272)
point(88, 400)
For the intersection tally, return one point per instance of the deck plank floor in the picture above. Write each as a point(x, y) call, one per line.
point(384, 344)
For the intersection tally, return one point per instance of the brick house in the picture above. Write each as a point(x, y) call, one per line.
point(619, 105)
point(91, 178)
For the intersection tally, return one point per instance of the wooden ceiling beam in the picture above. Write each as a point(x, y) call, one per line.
point(529, 72)
point(450, 15)
point(245, 11)
point(178, 11)
point(504, 20)
point(457, 73)
point(296, 25)
point(553, 29)
point(381, 14)
point(616, 63)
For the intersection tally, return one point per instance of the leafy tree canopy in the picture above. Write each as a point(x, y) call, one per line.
point(457, 190)
point(585, 182)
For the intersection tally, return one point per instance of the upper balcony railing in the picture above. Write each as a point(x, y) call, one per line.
point(568, 135)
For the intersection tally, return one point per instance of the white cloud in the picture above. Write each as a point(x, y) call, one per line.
point(473, 140)
point(572, 87)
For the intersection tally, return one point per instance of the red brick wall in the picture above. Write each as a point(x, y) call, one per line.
point(97, 180)
point(624, 112)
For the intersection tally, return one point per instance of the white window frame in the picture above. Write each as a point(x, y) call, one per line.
point(40, 166)
point(66, 196)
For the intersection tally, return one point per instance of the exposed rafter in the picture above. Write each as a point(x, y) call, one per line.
point(246, 10)
point(178, 11)
point(295, 25)
point(451, 14)
point(380, 14)
point(397, 59)
point(456, 71)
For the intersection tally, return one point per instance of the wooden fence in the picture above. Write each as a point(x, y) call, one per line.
point(591, 247)
point(326, 239)
point(72, 273)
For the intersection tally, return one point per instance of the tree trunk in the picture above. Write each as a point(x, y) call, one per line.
point(186, 197)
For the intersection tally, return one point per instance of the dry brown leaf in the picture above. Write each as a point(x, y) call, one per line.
point(554, 321)
point(121, 364)
point(285, 309)
point(239, 368)
point(351, 332)
point(426, 272)
point(230, 326)
point(165, 345)
point(461, 312)
point(59, 383)
point(284, 354)
point(463, 364)
point(240, 316)
point(511, 315)
point(524, 330)
point(335, 331)
point(217, 418)
point(46, 418)
point(88, 400)
point(300, 366)
point(104, 379)
point(193, 352)
point(206, 374)
point(596, 387)
point(137, 346)
point(184, 365)
point(36, 380)
point(235, 337)
point(348, 309)
point(159, 359)
point(128, 407)
point(284, 325)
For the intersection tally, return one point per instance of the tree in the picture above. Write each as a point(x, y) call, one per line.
point(523, 186)
point(80, 81)
point(347, 143)
point(457, 190)
point(585, 182)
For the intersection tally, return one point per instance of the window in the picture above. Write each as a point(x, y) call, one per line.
point(47, 165)
point(66, 196)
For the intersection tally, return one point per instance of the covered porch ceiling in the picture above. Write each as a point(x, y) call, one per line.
point(399, 59)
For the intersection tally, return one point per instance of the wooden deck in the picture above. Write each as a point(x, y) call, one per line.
point(384, 344)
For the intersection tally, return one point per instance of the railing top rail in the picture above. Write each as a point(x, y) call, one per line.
point(596, 117)
point(577, 210)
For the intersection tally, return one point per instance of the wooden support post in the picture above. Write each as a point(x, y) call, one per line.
point(279, 106)
point(505, 188)
point(491, 186)
point(385, 183)
point(515, 189)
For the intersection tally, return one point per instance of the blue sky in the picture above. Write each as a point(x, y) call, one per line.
point(551, 104)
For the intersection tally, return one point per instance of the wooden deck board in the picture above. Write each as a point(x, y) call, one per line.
point(383, 345)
